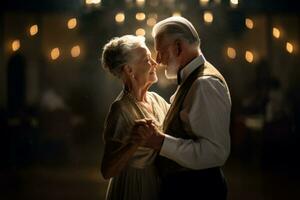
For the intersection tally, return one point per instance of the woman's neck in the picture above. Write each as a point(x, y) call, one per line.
point(139, 93)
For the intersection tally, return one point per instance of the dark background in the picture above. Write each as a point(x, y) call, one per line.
point(52, 111)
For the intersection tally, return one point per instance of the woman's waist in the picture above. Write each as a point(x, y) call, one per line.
point(143, 158)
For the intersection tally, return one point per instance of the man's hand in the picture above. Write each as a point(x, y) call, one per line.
point(147, 134)
point(141, 131)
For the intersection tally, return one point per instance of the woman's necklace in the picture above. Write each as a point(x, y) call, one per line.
point(140, 104)
point(148, 106)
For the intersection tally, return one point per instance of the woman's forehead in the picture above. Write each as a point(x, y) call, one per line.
point(141, 51)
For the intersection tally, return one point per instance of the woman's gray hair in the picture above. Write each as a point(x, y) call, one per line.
point(117, 52)
point(177, 28)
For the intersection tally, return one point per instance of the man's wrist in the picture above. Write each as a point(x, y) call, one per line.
point(160, 141)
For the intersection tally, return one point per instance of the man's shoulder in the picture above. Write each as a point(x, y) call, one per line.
point(206, 80)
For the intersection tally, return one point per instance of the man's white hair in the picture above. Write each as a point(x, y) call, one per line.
point(177, 28)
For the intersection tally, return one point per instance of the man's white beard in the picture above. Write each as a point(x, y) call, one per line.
point(170, 75)
point(172, 68)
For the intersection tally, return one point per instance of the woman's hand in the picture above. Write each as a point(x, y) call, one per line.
point(145, 133)
point(142, 130)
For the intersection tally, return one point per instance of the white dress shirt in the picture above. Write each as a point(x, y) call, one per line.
point(205, 113)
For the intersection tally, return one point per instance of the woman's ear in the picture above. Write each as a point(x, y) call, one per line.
point(128, 70)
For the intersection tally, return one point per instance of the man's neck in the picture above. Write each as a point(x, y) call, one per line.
point(191, 56)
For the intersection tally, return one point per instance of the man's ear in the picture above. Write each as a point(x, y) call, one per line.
point(178, 47)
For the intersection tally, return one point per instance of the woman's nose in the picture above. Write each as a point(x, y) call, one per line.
point(154, 63)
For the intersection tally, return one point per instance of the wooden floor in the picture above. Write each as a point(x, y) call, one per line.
point(246, 182)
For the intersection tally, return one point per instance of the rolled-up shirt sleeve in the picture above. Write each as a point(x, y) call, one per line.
point(205, 113)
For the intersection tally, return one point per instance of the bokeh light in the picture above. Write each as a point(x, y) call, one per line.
point(75, 51)
point(15, 45)
point(72, 23)
point(120, 17)
point(33, 30)
point(249, 56)
point(55, 53)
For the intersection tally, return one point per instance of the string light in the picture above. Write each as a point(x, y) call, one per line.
point(54, 53)
point(89, 2)
point(289, 47)
point(203, 2)
point(72, 23)
point(276, 32)
point(120, 17)
point(15, 45)
point(234, 3)
point(140, 2)
point(231, 53)
point(208, 17)
point(177, 14)
point(33, 30)
point(249, 23)
point(140, 32)
point(249, 56)
point(75, 51)
point(140, 16)
point(151, 21)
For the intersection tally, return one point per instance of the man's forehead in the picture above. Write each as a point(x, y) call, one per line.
point(158, 41)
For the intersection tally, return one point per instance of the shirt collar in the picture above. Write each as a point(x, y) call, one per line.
point(189, 68)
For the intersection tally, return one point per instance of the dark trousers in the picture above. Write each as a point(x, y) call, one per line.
point(208, 184)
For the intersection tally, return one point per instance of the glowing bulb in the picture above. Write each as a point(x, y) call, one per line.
point(72, 23)
point(92, 2)
point(177, 14)
point(249, 23)
point(234, 3)
point(15, 45)
point(151, 21)
point(140, 32)
point(140, 16)
point(249, 56)
point(55, 53)
point(75, 51)
point(120, 17)
point(140, 2)
point(276, 32)
point(289, 47)
point(231, 53)
point(208, 17)
point(203, 2)
point(34, 29)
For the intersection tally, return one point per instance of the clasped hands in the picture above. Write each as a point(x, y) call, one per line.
point(145, 133)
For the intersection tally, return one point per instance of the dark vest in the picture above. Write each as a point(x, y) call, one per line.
point(173, 125)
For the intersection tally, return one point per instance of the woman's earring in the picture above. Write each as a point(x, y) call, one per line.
point(132, 76)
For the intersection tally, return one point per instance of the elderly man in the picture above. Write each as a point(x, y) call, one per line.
point(195, 141)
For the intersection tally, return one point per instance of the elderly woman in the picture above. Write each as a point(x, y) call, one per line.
point(129, 165)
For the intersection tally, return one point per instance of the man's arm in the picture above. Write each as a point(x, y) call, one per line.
point(206, 113)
